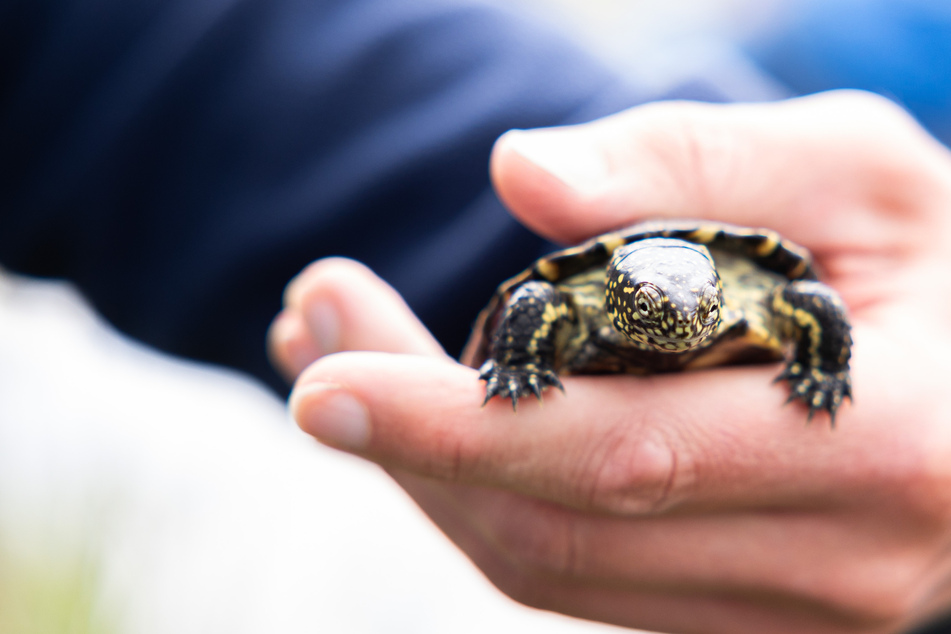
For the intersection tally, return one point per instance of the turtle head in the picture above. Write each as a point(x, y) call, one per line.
point(664, 294)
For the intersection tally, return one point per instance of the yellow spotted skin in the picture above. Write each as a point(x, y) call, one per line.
point(663, 294)
point(662, 297)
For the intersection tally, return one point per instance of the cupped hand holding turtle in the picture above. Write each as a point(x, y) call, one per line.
point(694, 502)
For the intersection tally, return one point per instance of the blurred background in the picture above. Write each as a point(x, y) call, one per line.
point(142, 494)
point(660, 43)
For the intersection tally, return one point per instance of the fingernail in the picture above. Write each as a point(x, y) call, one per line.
point(324, 326)
point(332, 415)
point(565, 154)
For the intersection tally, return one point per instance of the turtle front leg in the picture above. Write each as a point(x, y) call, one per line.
point(814, 317)
point(522, 351)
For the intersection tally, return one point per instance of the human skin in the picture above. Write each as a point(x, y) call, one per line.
point(695, 502)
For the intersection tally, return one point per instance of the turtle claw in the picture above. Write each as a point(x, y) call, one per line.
point(535, 387)
point(516, 381)
point(819, 389)
point(552, 379)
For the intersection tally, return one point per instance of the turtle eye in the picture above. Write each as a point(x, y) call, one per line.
point(648, 302)
point(710, 314)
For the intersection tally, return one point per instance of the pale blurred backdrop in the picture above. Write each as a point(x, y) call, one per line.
point(145, 495)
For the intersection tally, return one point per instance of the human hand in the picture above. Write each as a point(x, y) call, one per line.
point(692, 502)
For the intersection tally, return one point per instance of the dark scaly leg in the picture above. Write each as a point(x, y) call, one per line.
point(522, 352)
point(814, 316)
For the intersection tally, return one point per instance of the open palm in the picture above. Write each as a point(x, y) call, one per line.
point(695, 502)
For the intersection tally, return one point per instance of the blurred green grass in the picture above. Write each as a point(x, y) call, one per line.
point(39, 596)
point(52, 584)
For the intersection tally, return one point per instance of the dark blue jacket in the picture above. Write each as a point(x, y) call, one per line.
point(181, 160)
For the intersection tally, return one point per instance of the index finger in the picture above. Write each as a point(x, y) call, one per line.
point(613, 443)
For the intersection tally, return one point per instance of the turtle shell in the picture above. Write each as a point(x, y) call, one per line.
point(764, 247)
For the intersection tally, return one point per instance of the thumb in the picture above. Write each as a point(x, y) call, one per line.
point(787, 165)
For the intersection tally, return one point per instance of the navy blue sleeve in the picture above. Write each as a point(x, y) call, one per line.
point(181, 160)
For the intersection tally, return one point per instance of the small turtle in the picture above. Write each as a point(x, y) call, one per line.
point(661, 297)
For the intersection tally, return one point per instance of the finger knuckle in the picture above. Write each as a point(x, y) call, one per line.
point(629, 474)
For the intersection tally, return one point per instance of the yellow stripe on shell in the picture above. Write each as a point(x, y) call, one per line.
point(548, 269)
point(703, 235)
point(769, 244)
point(611, 242)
